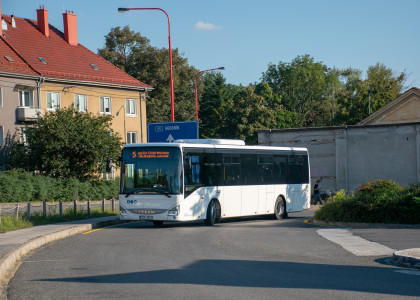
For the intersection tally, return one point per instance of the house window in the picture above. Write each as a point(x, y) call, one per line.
point(109, 176)
point(1, 136)
point(130, 107)
point(80, 103)
point(131, 137)
point(26, 98)
point(105, 103)
point(1, 97)
point(53, 101)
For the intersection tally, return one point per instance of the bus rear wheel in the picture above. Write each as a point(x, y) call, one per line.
point(280, 209)
point(211, 213)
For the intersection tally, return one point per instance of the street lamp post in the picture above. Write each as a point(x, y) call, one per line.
point(121, 10)
point(195, 83)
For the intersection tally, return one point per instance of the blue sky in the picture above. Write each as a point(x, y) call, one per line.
point(245, 36)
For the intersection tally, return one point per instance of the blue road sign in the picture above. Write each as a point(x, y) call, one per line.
point(170, 131)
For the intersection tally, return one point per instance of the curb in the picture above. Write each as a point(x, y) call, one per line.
point(407, 258)
point(365, 225)
point(8, 261)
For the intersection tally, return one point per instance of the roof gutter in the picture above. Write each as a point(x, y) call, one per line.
point(103, 84)
point(8, 74)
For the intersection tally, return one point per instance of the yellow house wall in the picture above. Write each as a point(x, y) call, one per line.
point(121, 123)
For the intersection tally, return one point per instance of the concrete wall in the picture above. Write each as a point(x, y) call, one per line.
point(346, 157)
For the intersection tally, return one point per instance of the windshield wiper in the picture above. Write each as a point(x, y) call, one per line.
point(148, 190)
point(135, 191)
point(161, 191)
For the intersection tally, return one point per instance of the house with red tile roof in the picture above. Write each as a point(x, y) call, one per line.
point(44, 69)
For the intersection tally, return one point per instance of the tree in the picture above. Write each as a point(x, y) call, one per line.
point(235, 112)
point(68, 144)
point(246, 113)
point(132, 53)
point(321, 96)
point(380, 87)
point(302, 86)
point(213, 106)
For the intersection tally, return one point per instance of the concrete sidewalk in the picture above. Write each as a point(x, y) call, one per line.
point(409, 258)
point(15, 245)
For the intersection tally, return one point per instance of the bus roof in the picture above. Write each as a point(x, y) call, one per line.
point(214, 143)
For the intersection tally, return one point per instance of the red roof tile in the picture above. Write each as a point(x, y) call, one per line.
point(25, 43)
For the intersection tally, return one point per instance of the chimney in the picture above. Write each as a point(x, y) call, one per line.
point(70, 28)
point(42, 16)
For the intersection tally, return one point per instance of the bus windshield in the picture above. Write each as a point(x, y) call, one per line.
point(151, 170)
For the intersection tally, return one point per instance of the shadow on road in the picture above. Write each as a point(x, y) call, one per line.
point(261, 274)
point(293, 220)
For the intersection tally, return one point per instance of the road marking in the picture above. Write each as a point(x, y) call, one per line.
point(354, 244)
point(93, 230)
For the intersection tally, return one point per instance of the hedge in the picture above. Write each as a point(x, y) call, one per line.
point(20, 186)
point(378, 201)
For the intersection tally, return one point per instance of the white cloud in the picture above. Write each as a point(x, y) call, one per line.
point(206, 26)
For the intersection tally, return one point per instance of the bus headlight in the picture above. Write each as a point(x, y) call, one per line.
point(174, 211)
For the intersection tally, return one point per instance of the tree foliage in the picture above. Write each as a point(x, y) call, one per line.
point(132, 53)
point(67, 144)
point(236, 112)
point(300, 93)
point(322, 96)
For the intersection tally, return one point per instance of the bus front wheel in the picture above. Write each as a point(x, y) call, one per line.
point(280, 209)
point(211, 213)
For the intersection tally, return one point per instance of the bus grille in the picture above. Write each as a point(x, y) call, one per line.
point(147, 211)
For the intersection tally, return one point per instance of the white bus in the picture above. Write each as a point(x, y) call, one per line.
point(210, 180)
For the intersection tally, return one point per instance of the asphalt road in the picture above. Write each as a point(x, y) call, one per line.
point(237, 259)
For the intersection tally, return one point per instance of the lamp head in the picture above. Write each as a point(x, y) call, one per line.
point(122, 9)
point(221, 68)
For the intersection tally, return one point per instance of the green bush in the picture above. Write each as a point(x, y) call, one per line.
point(378, 201)
point(20, 186)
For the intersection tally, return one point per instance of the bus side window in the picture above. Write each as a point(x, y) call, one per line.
point(265, 166)
point(280, 173)
point(231, 169)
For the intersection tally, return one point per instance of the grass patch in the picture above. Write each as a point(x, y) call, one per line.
point(378, 201)
point(10, 223)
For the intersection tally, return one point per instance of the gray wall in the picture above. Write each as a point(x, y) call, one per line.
point(346, 157)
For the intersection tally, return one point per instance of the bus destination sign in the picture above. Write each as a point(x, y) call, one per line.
point(150, 154)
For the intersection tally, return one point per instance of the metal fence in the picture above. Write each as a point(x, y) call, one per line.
point(46, 209)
